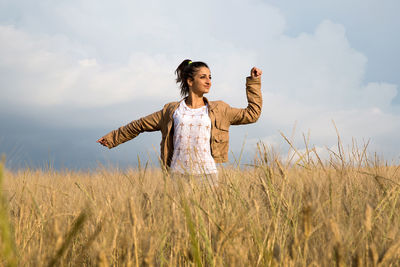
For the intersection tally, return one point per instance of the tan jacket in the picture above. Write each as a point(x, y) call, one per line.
point(221, 115)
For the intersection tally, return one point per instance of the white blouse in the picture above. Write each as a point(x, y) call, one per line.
point(192, 132)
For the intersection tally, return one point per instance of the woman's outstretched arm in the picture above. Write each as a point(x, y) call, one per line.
point(252, 112)
point(125, 133)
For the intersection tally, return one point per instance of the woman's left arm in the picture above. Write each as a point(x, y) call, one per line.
point(252, 112)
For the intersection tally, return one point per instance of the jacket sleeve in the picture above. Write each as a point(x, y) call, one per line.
point(125, 133)
point(252, 112)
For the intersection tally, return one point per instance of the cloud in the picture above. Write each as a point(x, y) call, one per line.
point(36, 72)
point(72, 67)
point(315, 79)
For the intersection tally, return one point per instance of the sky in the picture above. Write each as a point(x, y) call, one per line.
point(71, 71)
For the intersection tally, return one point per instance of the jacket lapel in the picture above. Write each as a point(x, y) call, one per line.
point(211, 107)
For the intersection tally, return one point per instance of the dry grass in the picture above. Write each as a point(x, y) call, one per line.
point(341, 212)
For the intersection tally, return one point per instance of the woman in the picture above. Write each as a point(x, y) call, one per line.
point(195, 131)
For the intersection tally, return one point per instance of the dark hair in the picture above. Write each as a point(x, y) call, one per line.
point(187, 69)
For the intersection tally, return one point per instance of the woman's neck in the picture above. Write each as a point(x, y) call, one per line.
point(194, 101)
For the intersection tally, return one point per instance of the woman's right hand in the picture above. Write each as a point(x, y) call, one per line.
point(102, 141)
point(255, 72)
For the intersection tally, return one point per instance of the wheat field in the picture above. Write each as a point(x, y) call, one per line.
point(341, 211)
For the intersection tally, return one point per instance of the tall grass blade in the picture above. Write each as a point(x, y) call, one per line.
point(69, 237)
point(8, 249)
point(194, 241)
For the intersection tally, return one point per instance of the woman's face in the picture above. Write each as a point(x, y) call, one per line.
point(201, 82)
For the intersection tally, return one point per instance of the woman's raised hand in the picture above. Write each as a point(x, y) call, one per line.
point(103, 142)
point(255, 72)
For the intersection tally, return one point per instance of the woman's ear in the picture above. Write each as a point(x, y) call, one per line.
point(189, 82)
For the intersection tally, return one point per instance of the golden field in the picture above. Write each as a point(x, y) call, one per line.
point(341, 211)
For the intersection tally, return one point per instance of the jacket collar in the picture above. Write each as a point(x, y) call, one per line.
point(211, 105)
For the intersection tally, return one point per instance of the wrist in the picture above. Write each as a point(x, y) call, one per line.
point(253, 81)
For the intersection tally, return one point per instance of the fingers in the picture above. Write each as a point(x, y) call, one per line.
point(255, 72)
point(103, 142)
point(100, 141)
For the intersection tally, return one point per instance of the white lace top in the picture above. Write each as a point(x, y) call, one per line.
point(192, 132)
